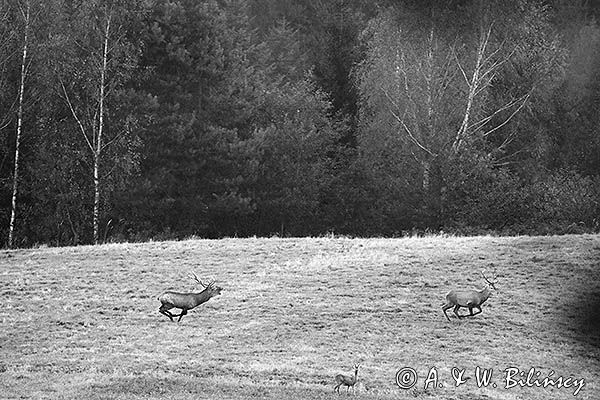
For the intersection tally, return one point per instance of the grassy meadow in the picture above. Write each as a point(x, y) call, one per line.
point(83, 322)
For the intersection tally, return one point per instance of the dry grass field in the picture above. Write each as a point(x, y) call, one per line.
point(83, 322)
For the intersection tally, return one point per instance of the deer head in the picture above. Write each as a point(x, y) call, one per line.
point(210, 288)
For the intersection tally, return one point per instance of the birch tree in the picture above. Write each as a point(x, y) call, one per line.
point(104, 58)
point(432, 88)
point(93, 133)
point(25, 11)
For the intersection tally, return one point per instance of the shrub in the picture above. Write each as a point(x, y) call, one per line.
point(566, 202)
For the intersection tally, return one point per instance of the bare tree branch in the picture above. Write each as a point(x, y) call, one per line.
point(526, 97)
point(406, 128)
point(81, 127)
point(460, 67)
point(477, 125)
point(114, 139)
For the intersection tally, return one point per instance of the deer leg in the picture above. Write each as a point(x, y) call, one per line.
point(337, 388)
point(165, 312)
point(164, 309)
point(471, 314)
point(183, 312)
point(444, 308)
point(456, 311)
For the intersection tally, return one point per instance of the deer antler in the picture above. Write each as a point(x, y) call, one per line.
point(210, 284)
point(493, 281)
point(199, 281)
point(484, 277)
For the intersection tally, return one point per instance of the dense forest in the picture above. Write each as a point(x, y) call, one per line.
point(154, 119)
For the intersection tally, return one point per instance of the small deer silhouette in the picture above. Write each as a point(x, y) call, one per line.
point(469, 298)
point(187, 301)
point(348, 381)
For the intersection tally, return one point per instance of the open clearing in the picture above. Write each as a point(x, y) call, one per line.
point(83, 322)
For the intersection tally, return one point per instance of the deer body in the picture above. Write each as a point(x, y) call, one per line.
point(186, 301)
point(348, 381)
point(470, 299)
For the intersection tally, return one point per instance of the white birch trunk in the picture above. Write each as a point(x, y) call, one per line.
point(98, 148)
point(13, 214)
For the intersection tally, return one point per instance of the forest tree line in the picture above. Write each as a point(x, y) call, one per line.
point(151, 119)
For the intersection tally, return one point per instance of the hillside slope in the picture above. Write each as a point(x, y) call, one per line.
point(83, 322)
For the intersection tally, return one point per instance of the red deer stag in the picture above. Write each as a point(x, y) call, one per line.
point(187, 301)
point(469, 298)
